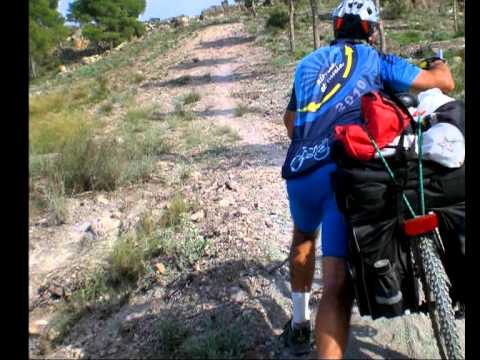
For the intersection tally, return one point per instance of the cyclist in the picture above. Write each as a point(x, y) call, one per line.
point(328, 84)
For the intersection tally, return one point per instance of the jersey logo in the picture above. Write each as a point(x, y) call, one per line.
point(317, 152)
point(324, 80)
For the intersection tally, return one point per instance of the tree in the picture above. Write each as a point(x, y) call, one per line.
point(225, 7)
point(291, 21)
point(383, 43)
point(46, 31)
point(455, 15)
point(108, 22)
point(316, 41)
point(250, 4)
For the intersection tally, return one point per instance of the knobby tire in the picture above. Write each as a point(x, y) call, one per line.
point(436, 287)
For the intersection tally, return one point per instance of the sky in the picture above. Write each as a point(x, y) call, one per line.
point(163, 9)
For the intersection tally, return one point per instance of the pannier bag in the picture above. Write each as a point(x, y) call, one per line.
point(379, 251)
point(445, 144)
point(444, 138)
point(430, 100)
point(384, 121)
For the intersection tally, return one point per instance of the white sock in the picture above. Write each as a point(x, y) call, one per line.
point(301, 311)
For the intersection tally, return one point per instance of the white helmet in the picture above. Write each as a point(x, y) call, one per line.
point(360, 16)
point(364, 8)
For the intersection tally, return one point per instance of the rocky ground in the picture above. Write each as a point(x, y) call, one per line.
point(241, 288)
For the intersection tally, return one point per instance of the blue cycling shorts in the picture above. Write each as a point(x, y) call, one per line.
point(312, 203)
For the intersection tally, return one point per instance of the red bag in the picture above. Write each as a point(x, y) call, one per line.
point(355, 141)
point(385, 120)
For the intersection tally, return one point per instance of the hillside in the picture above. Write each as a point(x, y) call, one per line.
point(159, 224)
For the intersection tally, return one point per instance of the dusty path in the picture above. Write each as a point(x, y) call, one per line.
point(407, 337)
point(227, 69)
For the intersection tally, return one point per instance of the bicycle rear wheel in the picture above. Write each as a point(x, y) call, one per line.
point(436, 287)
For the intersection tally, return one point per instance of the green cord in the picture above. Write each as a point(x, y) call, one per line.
point(420, 169)
point(390, 172)
point(420, 166)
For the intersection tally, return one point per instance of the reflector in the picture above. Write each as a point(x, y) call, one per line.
point(421, 224)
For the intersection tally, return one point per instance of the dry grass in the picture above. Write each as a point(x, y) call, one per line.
point(191, 98)
point(177, 207)
point(241, 110)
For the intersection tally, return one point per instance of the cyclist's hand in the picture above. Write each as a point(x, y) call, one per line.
point(429, 62)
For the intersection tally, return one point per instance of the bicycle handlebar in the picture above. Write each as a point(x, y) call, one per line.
point(426, 63)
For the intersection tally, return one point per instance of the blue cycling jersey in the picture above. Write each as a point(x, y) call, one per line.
point(328, 86)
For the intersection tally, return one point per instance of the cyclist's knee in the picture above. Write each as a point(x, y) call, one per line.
point(300, 237)
point(303, 247)
point(301, 254)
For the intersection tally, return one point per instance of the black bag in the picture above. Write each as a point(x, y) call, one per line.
point(452, 112)
point(379, 252)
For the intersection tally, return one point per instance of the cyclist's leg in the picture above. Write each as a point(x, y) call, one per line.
point(306, 198)
point(302, 260)
point(332, 323)
point(333, 316)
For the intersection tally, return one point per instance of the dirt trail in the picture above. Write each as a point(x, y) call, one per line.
point(407, 337)
point(227, 69)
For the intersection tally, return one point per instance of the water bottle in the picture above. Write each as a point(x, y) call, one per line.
point(388, 294)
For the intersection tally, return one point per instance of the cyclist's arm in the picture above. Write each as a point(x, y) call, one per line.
point(289, 116)
point(438, 76)
point(400, 75)
point(289, 120)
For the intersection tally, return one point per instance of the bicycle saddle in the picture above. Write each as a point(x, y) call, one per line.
point(408, 99)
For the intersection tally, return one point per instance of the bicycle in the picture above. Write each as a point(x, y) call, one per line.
point(427, 252)
point(428, 256)
point(415, 279)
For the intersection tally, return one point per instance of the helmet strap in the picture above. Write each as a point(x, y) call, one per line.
point(365, 26)
point(338, 23)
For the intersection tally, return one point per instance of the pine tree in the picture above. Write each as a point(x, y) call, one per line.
point(107, 23)
point(46, 31)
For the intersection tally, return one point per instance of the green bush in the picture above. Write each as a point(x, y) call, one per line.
point(191, 98)
point(101, 89)
point(440, 35)
point(300, 53)
point(88, 164)
point(458, 73)
point(278, 19)
point(191, 247)
point(55, 197)
point(171, 334)
point(407, 37)
point(395, 9)
point(181, 113)
point(241, 110)
point(106, 108)
point(218, 341)
point(138, 78)
point(136, 120)
point(126, 260)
